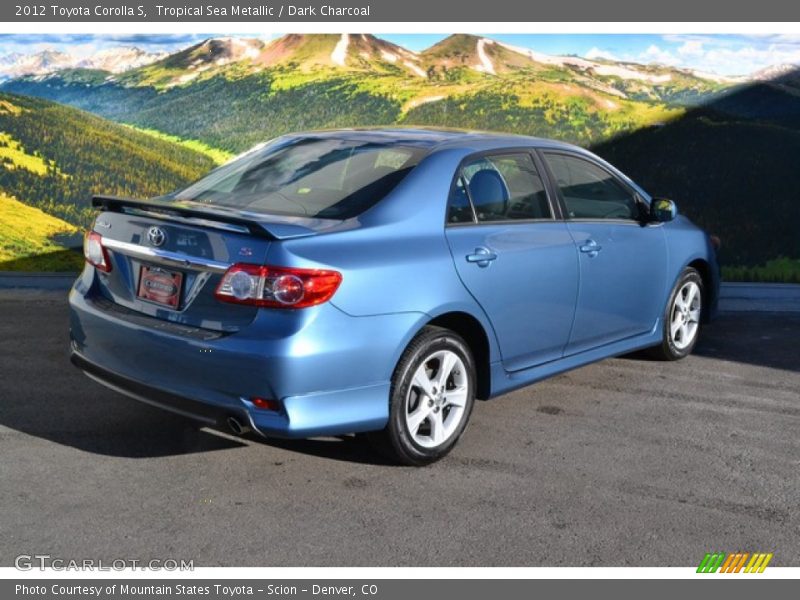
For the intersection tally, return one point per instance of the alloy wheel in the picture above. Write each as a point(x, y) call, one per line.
point(685, 315)
point(436, 399)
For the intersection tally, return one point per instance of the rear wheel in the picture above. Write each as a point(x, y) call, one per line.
point(432, 394)
point(682, 318)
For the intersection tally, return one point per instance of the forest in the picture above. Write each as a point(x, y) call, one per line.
point(84, 155)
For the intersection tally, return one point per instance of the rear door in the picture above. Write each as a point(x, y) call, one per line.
point(514, 257)
point(623, 262)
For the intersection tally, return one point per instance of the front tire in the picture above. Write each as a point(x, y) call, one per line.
point(431, 399)
point(682, 318)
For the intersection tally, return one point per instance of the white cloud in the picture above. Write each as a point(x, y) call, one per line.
point(715, 54)
point(596, 52)
point(748, 59)
point(655, 54)
point(735, 55)
point(691, 48)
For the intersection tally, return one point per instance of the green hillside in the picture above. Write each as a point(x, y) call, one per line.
point(55, 158)
point(234, 114)
point(737, 178)
point(231, 95)
point(29, 239)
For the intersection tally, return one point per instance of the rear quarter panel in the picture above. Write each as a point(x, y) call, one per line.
point(396, 259)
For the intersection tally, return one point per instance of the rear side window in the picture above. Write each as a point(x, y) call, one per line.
point(327, 178)
point(589, 191)
point(503, 187)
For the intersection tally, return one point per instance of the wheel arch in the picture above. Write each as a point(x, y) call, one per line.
point(477, 338)
point(704, 269)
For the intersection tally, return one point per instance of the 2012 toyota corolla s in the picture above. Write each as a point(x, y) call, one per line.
point(380, 281)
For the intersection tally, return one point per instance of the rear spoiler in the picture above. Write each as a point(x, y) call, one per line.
point(208, 216)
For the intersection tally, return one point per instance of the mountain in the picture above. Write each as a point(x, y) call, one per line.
point(237, 57)
point(359, 52)
point(234, 92)
point(773, 72)
point(205, 59)
point(111, 60)
point(731, 165)
point(118, 60)
point(54, 158)
point(10, 59)
point(41, 63)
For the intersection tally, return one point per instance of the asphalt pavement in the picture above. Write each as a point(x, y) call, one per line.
point(625, 462)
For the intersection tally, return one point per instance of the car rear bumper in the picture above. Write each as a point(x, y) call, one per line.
point(330, 375)
point(329, 413)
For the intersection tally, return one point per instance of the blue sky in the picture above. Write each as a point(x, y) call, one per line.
point(722, 54)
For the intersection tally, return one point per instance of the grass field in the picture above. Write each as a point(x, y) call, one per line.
point(779, 270)
point(27, 239)
point(13, 156)
point(215, 154)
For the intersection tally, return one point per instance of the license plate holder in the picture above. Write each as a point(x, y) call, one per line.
point(160, 286)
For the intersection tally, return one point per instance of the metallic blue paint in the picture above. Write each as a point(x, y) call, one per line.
point(545, 304)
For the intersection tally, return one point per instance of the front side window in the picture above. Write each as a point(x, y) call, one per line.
point(589, 191)
point(326, 178)
point(504, 187)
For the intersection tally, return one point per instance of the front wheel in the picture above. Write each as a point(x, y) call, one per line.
point(682, 318)
point(433, 391)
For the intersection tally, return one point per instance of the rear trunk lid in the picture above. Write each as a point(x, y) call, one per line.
point(167, 258)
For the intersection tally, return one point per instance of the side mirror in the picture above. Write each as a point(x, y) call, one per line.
point(662, 210)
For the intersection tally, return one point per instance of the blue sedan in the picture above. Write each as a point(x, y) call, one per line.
point(380, 281)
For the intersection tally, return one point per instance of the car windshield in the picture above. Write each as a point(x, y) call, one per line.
point(327, 178)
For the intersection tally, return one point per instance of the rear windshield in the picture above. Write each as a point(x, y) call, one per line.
point(325, 178)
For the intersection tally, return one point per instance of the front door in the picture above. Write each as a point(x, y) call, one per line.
point(623, 262)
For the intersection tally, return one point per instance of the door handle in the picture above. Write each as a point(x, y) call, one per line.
point(591, 248)
point(481, 257)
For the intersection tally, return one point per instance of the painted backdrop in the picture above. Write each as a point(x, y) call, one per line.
point(712, 122)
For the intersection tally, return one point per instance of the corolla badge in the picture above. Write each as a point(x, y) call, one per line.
point(156, 236)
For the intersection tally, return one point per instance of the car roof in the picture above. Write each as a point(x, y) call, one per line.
point(438, 139)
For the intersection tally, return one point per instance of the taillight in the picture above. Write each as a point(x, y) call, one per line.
point(266, 404)
point(277, 287)
point(96, 255)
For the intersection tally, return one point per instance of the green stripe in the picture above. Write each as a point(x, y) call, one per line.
point(716, 564)
point(703, 563)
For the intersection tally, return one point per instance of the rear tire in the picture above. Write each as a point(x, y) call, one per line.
point(431, 398)
point(682, 317)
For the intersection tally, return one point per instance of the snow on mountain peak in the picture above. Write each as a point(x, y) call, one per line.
point(339, 53)
point(45, 62)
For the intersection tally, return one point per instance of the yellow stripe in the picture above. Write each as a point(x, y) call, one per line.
point(750, 564)
point(765, 563)
point(741, 562)
point(754, 568)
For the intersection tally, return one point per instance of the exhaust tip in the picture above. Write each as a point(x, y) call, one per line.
point(236, 426)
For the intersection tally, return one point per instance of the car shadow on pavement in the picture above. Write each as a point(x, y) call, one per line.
point(346, 448)
point(88, 417)
point(765, 340)
point(759, 339)
point(43, 395)
point(103, 422)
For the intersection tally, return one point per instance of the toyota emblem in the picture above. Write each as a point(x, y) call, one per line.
point(156, 236)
